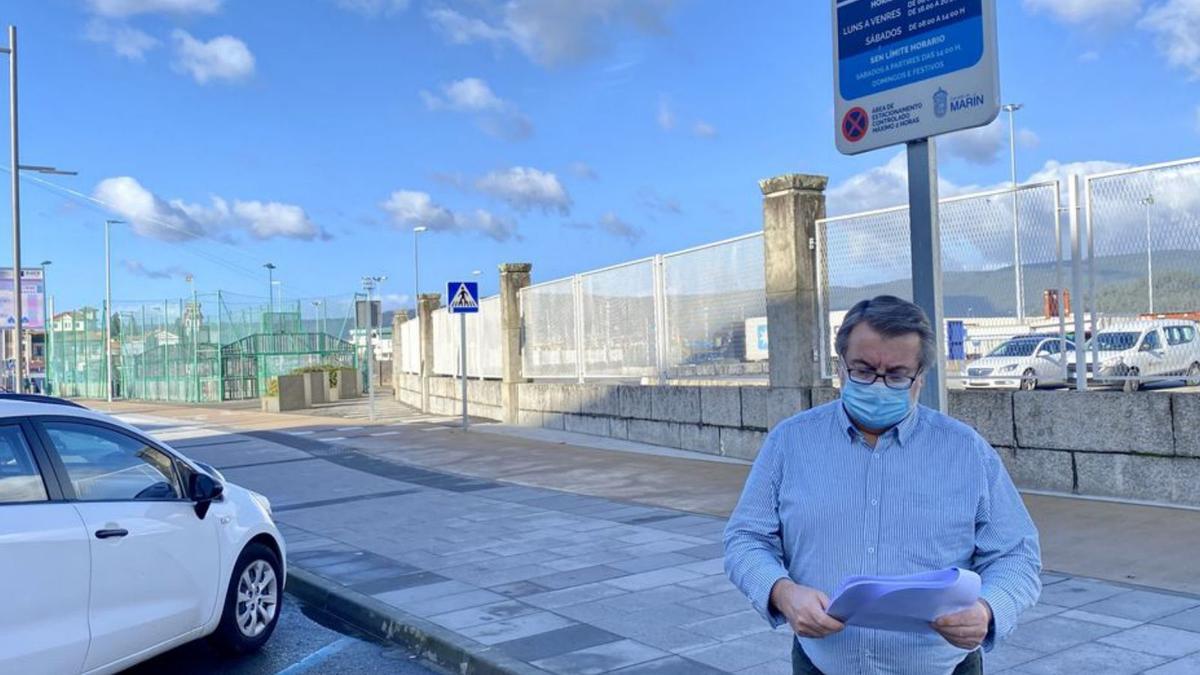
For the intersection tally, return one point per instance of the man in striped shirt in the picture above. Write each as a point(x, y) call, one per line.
point(874, 484)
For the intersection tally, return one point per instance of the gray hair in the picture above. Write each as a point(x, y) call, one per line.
point(892, 317)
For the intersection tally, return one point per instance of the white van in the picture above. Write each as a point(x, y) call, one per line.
point(1132, 353)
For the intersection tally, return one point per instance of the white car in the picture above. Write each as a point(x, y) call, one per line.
point(1129, 354)
point(115, 548)
point(1025, 362)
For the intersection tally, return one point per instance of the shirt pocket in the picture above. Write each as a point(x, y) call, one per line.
point(939, 531)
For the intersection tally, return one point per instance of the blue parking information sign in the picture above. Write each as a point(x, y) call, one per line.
point(911, 69)
point(464, 297)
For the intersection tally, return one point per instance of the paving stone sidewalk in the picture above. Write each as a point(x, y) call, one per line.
point(576, 584)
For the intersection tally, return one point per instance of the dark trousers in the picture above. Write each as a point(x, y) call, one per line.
point(801, 665)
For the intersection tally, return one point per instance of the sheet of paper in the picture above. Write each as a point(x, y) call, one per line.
point(904, 603)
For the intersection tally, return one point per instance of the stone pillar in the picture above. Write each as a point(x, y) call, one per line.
point(398, 321)
point(791, 206)
point(426, 303)
point(513, 277)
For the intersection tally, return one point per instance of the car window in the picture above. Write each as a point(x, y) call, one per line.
point(103, 464)
point(20, 480)
point(1188, 334)
point(1151, 341)
point(1174, 337)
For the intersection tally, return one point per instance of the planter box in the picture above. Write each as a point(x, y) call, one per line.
point(292, 394)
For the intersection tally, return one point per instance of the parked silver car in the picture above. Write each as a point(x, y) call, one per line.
point(1025, 362)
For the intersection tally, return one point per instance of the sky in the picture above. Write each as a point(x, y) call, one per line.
point(571, 134)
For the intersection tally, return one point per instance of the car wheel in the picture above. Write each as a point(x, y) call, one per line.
point(252, 603)
point(1029, 380)
point(1132, 384)
point(1193, 376)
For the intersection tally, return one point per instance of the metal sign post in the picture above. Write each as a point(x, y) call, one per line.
point(905, 72)
point(369, 285)
point(925, 241)
point(464, 300)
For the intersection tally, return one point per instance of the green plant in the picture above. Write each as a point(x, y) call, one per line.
point(273, 386)
point(333, 377)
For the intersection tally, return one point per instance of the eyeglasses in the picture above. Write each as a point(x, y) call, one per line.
point(890, 380)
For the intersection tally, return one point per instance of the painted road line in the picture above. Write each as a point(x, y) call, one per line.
point(347, 428)
point(334, 438)
point(308, 663)
point(300, 433)
point(385, 433)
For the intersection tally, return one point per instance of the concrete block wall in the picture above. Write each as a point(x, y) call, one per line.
point(483, 397)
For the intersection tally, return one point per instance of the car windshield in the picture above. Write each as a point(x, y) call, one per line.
point(1016, 348)
point(1115, 342)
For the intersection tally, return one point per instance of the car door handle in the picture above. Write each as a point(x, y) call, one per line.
point(109, 534)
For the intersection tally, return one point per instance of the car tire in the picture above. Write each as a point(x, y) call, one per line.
point(1029, 380)
point(1193, 375)
point(252, 602)
point(1132, 384)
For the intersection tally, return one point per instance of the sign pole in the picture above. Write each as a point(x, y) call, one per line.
point(462, 331)
point(927, 259)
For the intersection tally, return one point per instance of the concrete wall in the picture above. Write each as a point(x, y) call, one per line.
point(292, 395)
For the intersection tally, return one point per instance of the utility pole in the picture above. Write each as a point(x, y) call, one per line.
point(195, 336)
point(270, 287)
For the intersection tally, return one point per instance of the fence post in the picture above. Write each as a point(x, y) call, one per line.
point(398, 321)
point(578, 322)
point(513, 277)
point(660, 319)
point(791, 206)
point(426, 303)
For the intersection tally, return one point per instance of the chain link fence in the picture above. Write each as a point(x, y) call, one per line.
point(1003, 265)
point(1143, 273)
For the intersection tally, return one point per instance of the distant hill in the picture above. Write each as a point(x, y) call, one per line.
point(1120, 286)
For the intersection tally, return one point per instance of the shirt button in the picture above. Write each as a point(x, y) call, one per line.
point(874, 502)
point(871, 550)
point(875, 455)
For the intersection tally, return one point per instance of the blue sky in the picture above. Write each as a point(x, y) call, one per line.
point(572, 134)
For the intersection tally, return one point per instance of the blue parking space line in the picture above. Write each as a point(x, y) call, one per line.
point(318, 657)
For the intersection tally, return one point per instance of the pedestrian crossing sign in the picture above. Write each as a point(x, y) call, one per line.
point(464, 297)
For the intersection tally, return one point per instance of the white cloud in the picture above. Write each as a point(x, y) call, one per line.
point(137, 268)
point(704, 129)
point(496, 116)
point(525, 189)
point(125, 40)
point(176, 220)
point(1092, 13)
point(409, 208)
point(554, 32)
point(394, 301)
point(148, 214)
point(583, 170)
point(665, 117)
point(221, 58)
point(374, 8)
point(1055, 170)
point(1176, 27)
point(123, 8)
point(267, 220)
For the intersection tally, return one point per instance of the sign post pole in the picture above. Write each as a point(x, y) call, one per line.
point(925, 241)
point(462, 342)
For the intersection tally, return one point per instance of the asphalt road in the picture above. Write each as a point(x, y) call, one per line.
point(305, 641)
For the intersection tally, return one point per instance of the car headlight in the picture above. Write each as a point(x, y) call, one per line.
point(1112, 363)
point(261, 501)
point(1010, 368)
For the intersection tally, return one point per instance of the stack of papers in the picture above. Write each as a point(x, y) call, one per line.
point(906, 603)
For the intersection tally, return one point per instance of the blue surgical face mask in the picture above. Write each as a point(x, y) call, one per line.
point(875, 406)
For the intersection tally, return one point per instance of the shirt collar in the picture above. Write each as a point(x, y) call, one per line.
point(903, 431)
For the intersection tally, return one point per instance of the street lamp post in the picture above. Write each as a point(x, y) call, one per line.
point(369, 284)
point(48, 327)
point(270, 286)
point(417, 292)
point(1148, 202)
point(108, 374)
point(1011, 109)
point(318, 305)
point(195, 336)
point(16, 169)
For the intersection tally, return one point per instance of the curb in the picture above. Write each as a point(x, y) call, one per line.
point(426, 639)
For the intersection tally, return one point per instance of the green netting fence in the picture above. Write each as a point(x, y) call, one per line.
point(210, 348)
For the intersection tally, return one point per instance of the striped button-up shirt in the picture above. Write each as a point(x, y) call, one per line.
point(821, 504)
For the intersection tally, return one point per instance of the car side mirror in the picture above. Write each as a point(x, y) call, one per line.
point(203, 489)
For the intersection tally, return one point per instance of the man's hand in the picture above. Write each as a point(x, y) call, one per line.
point(804, 609)
point(966, 629)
